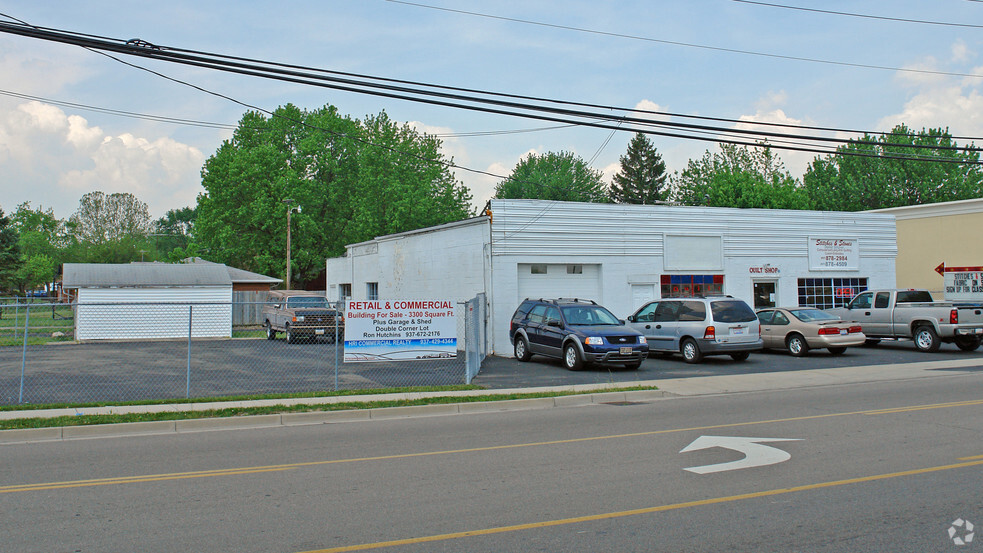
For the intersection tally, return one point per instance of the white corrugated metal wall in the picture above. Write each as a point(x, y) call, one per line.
point(153, 313)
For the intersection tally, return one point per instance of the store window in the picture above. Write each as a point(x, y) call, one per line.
point(826, 293)
point(371, 290)
point(687, 286)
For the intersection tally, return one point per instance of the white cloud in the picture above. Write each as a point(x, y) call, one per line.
point(644, 108)
point(768, 112)
point(943, 101)
point(42, 69)
point(961, 52)
point(59, 158)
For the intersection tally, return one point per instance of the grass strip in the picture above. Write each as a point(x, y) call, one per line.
point(181, 401)
point(82, 420)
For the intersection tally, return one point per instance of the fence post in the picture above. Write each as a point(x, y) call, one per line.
point(23, 356)
point(187, 389)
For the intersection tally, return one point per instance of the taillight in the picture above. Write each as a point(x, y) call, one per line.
point(710, 333)
point(826, 331)
point(954, 317)
point(856, 329)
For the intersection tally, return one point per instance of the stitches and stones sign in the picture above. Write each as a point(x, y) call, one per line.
point(834, 254)
point(964, 284)
point(400, 330)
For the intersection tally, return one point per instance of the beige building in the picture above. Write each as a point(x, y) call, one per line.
point(932, 234)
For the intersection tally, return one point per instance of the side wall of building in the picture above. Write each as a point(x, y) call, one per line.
point(445, 262)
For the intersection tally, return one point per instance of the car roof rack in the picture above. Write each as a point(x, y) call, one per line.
point(573, 300)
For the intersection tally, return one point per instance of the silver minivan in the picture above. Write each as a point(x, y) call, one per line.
point(699, 326)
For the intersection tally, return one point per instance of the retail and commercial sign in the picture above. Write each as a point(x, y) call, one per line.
point(834, 254)
point(962, 283)
point(399, 330)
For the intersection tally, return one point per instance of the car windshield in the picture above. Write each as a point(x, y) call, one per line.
point(813, 315)
point(588, 315)
point(307, 301)
point(732, 311)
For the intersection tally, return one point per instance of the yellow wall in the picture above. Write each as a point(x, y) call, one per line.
point(923, 243)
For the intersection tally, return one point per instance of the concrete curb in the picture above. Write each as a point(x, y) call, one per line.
point(314, 417)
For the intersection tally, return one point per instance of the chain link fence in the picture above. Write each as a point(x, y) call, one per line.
point(59, 353)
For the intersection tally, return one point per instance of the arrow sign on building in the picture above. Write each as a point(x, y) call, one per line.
point(755, 454)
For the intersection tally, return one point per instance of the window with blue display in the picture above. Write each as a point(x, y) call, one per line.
point(687, 286)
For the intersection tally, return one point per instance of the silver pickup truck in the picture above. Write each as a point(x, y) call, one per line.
point(913, 314)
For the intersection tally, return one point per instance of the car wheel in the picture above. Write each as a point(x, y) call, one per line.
point(633, 366)
point(926, 339)
point(742, 356)
point(291, 337)
point(691, 351)
point(522, 349)
point(270, 333)
point(969, 343)
point(571, 358)
point(797, 345)
point(837, 350)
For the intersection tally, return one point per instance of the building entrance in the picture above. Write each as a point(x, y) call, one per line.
point(765, 293)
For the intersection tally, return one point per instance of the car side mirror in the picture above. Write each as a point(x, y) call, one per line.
point(622, 321)
point(631, 319)
point(554, 322)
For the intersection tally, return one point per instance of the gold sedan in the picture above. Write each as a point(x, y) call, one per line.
point(799, 329)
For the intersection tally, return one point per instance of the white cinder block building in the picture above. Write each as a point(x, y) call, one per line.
point(623, 256)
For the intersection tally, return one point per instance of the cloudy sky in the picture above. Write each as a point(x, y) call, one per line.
point(719, 58)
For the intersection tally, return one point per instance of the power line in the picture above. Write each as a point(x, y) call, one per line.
point(493, 105)
point(121, 113)
point(865, 16)
point(691, 45)
point(245, 65)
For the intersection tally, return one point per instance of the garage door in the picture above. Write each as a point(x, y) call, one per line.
point(559, 281)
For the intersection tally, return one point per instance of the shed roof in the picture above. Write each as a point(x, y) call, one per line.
point(143, 275)
point(238, 276)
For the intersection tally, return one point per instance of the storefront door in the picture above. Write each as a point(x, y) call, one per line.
point(765, 293)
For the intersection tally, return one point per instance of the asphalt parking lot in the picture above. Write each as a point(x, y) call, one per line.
point(502, 372)
point(130, 371)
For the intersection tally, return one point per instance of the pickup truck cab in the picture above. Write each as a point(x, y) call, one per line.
point(301, 314)
point(913, 314)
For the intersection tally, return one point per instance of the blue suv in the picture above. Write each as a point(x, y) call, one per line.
point(579, 332)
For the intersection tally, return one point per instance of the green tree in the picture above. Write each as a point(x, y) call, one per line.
point(173, 231)
point(739, 176)
point(561, 176)
point(109, 228)
point(857, 177)
point(43, 242)
point(10, 258)
point(642, 179)
point(353, 180)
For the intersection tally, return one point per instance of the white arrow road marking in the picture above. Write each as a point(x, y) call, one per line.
point(755, 454)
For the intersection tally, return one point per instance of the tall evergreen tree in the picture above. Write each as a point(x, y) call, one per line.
point(642, 179)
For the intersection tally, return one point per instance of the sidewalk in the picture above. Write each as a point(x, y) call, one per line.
point(590, 393)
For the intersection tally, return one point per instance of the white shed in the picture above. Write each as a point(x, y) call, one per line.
point(623, 256)
point(139, 301)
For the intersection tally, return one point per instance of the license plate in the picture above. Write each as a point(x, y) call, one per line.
point(625, 350)
point(737, 331)
point(318, 331)
point(844, 331)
